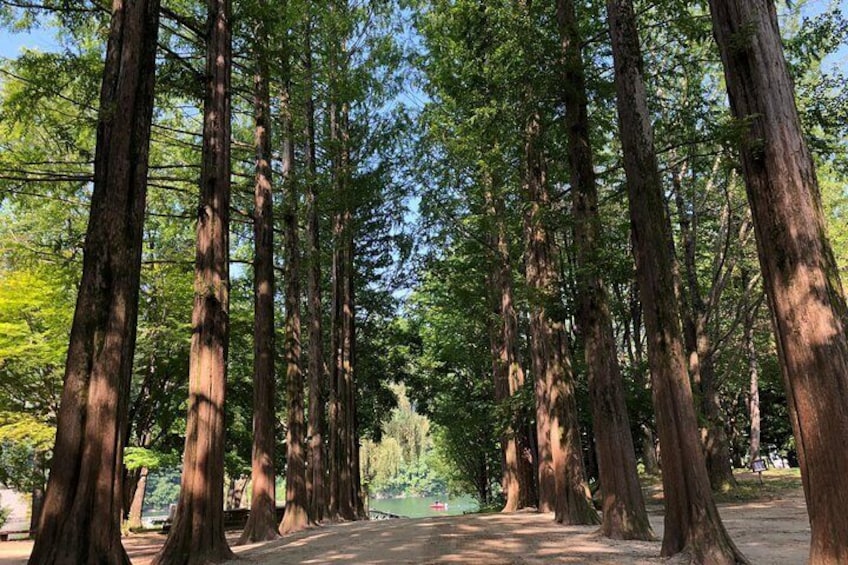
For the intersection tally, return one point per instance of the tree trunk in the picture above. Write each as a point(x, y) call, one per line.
point(540, 280)
point(754, 384)
point(36, 507)
point(296, 516)
point(342, 433)
point(81, 517)
point(799, 273)
point(507, 372)
point(551, 362)
point(692, 523)
point(574, 500)
point(317, 368)
point(137, 505)
point(624, 514)
point(349, 488)
point(699, 346)
point(197, 533)
point(262, 521)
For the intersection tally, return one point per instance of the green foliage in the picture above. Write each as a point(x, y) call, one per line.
point(139, 457)
point(163, 489)
point(25, 446)
point(403, 462)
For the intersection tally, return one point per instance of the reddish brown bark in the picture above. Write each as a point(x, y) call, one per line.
point(81, 518)
point(508, 374)
point(262, 521)
point(799, 273)
point(574, 501)
point(317, 368)
point(624, 514)
point(197, 533)
point(562, 484)
point(692, 523)
point(296, 516)
point(135, 512)
point(343, 492)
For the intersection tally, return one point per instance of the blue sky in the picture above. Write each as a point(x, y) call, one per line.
point(42, 39)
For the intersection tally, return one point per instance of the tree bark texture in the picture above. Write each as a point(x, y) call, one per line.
point(574, 500)
point(692, 523)
point(262, 521)
point(137, 504)
point(799, 272)
point(296, 516)
point(342, 433)
point(540, 280)
point(317, 367)
point(568, 497)
point(197, 533)
point(624, 514)
point(508, 374)
point(81, 518)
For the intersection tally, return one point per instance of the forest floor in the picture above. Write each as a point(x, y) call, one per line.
point(769, 525)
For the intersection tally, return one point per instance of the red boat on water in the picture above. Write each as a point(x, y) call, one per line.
point(439, 505)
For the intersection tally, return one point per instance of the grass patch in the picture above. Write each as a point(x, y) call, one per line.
point(776, 484)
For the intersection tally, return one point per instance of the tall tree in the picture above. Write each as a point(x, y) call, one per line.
point(82, 510)
point(342, 499)
point(692, 522)
point(562, 484)
point(296, 516)
point(544, 355)
point(624, 514)
point(508, 374)
point(262, 521)
point(197, 533)
point(698, 313)
point(800, 276)
point(317, 367)
point(562, 478)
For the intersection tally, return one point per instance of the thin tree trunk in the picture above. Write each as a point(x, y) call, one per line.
point(349, 490)
point(296, 516)
point(137, 504)
point(692, 523)
point(799, 273)
point(754, 384)
point(82, 511)
point(197, 533)
point(699, 345)
point(37, 505)
point(317, 368)
point(624, 514)
point(262, 521)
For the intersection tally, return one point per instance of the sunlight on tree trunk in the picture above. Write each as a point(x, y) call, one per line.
point(82, 510)
point(800, 276)
point(197, 532)
point(692, 522)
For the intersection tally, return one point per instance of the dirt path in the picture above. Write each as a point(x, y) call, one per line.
point(772, 533)
point(768, 532)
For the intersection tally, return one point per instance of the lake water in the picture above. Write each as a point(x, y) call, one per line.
point(420, 507)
